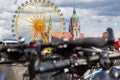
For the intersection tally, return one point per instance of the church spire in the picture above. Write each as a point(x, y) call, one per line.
point(50, 21)
point(50, 29)
point(74, 11)
point(74, 15)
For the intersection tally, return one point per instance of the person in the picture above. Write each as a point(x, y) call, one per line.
point(104, 35)
point(117, 45)
point(109, 36)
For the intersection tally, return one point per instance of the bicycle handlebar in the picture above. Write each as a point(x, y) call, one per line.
point(46, 67)
point(86, 42)
point(3, 48)
point(114, 55)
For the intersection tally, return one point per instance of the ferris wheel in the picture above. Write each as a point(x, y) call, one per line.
point(37, 20)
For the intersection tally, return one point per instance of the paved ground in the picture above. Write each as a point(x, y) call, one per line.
point(19, 71)
point(13, 73)
point(16, 72)
point(8, 72)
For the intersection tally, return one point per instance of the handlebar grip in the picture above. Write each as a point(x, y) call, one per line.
point(47, 67)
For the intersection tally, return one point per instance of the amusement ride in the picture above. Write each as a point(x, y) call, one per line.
point(37, 20)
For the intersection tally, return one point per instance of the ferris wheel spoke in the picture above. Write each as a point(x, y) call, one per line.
point(30, 33)
point(24, 24)
point(52, 15)
point(32, 19)
point(25, 30)
point(42, 8)
point(41, 11)
point(55, 27)
point(36, 9)
point(35, 36)
point(25, 19)
point(47, 15)
point(31, 10)
point(44, 37)
point(29, 14)
point(29, 17)
point(59, 27)
point(41, 37)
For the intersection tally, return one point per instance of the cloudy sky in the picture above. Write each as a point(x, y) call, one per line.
point(95, 15)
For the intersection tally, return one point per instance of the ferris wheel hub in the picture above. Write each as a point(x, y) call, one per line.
point(39, 25)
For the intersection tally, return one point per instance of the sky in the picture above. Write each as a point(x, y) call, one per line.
point(95, 16)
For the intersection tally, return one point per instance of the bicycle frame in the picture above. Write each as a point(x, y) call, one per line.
point(92, 74)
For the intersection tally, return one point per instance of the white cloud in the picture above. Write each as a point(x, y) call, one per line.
point(6, 3)
point(71, 2)
point(2, 22)
point(101, 19)
point(12, 8)
point(5, 15)
point(85, 0)
point(4, 33)
point(92, 24)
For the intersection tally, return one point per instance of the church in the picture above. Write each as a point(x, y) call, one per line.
point(74, 25)
point(74, 29)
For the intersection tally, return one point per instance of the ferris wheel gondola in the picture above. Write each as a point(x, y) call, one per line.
point(37, 20)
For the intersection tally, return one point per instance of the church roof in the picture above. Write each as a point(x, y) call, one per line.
point(74, 16)
point(66, 35)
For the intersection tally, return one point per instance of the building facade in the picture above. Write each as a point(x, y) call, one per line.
point(74, 25)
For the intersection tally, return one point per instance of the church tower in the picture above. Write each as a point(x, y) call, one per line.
point(74, 26)
point(50, 29)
